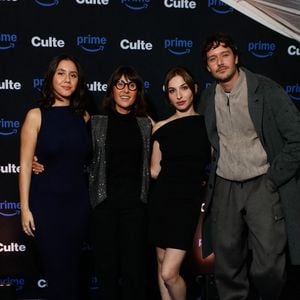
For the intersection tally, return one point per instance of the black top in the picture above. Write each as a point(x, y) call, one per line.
point(124, 154)
point(177, 194)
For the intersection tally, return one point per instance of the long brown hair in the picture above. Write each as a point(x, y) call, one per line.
point(185, 74)
point(79, 99)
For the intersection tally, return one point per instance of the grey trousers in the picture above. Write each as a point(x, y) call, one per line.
point(247, 218)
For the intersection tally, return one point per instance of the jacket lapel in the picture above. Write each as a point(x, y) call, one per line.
point(210, 117)
point(255, 104)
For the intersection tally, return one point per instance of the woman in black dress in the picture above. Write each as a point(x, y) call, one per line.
point(181, 152)
point(55, 204)
point(119, 180)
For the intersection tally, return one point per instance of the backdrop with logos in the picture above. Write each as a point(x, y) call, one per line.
point(151, 35)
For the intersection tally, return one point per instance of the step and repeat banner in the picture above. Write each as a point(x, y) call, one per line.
point(151, 35)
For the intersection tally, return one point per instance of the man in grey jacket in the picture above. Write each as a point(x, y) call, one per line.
point(253, 194)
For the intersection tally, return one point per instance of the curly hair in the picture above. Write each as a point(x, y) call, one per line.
point(215, 41)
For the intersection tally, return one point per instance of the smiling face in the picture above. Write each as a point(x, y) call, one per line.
point(180, 94)
point(65, 81)
point(124, 98)
point(222, 64)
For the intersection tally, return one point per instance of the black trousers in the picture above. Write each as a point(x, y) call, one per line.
point(119, 245)
point(248, 216)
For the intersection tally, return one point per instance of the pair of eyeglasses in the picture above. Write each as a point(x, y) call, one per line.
point(120, 85)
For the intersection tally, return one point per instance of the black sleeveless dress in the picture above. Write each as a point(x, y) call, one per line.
point(176, 196)
point(59, 199)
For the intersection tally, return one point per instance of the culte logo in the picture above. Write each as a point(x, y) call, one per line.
point(178, 47)
point(91, 43)
point(17, 282)
point(12, 247)
point(10, 169)
point(42, 283)
point(8, 84)
point(93, 2)
point(9, 209)
point(261, 49)
point(50, 42)
point(7, 41)
point(180, 4)
point(293, 50)
point(47, 3)
point(9, 127)
point(219, 7)
point(293, 91)
point(136, 4)
point(136, 45)
point(97, 86)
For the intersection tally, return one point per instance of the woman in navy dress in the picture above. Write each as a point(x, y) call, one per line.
point(55, 203)
point(181, 152)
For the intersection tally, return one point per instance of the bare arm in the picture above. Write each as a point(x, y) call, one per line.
point(29, 133)
point(156, 156)
point(155, 160)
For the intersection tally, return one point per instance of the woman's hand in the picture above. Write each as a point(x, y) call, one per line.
point(37, 168)
point(27, 222)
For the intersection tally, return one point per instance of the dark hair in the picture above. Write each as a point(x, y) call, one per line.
point(79, 98)
point(139, 107)
point(185, 74)
point(214, 41)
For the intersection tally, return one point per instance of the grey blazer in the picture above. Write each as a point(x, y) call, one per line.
point(97, 169)
point(277, 122)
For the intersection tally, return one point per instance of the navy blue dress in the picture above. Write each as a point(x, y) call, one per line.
point(59, 199)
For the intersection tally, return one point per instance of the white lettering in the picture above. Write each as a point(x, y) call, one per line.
point(10, 168)
point(97, 86)
point(137, 45)
point(99, 2)
point(8, 84)
point(293, 50)
point(12, 247)
point(50, 42)
point(180, 4)
point(42, 283)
